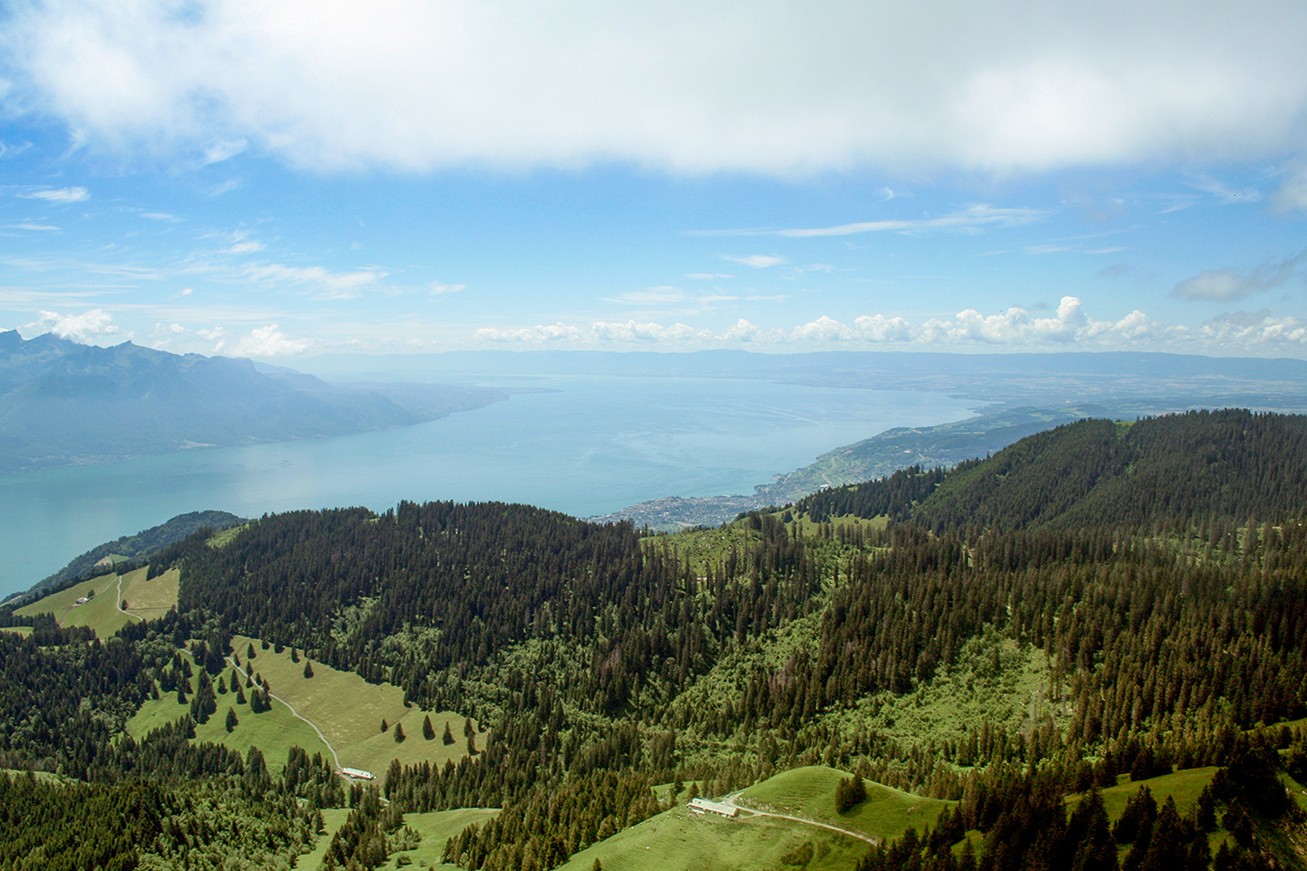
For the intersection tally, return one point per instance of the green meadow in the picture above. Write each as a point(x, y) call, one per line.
point(146, 600)
point(679, 839)
point(347, 709)
point(809, 793)
point(435, 828)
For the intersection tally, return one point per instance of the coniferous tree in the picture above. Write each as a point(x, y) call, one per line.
point(428, 731)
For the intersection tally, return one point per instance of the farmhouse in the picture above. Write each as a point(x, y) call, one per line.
point(357, 774)
point(702, 806)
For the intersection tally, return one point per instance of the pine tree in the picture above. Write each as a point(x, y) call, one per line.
point(448, 737)
point(231, 719)
point(308, 669)
point(399, 733)
point(428, 731)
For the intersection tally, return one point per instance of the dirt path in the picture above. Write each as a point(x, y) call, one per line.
point(118, 602)
point(298, 715)
point(733, 801)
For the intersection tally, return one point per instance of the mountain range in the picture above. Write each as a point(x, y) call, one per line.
point(63, 403)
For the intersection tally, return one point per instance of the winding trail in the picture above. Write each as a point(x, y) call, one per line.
point(732, 800)
point(118, 602)
point(291, 708)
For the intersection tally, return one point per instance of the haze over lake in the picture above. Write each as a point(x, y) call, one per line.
point(583, 445)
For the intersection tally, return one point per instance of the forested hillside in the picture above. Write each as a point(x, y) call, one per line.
point(1097, 605)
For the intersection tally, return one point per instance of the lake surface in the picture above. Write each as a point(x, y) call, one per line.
point(583, 445)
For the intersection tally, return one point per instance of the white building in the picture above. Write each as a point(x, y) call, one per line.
point(704, 806)
point(357, 774)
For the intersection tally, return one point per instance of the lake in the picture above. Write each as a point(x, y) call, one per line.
point(583, 445)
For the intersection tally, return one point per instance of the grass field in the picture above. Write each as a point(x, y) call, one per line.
point(345, 707)
point(677, 839)
point(1183, 786)
point(436, 828)
point(150, 599)
point(349, 711)
point(146, 600)
point(810, 793)
point(332, 820)
point(100, 613)
point(17, 630)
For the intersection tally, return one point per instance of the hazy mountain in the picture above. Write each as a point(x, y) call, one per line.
point(66, 403)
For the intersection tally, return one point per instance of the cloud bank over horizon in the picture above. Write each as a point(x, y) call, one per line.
point(682, 87)
point(279, 179)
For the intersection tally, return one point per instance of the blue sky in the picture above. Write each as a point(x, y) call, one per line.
point(289, 179)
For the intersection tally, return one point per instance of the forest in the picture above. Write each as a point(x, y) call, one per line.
point(1154, 572)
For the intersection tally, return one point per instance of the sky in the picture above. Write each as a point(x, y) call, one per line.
point(283, 180)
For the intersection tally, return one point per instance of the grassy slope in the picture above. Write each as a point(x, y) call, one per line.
point(349, 711)
point(436, 828)
point(677, 839)
point(1183, 786)
point(100, 613)
point(151, 599)
point(17, 630)
point(810, 793)
point(332, 820)
point(147, 599)
point(346, 708)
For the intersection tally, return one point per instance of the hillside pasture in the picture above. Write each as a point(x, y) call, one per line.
point(146, 600)
point(100, 612)
point(436, 828)
point(677, 840)
point(349, 711)
point(809, 793)
point(150, 598)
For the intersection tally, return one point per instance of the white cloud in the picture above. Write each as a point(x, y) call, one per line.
point(757, 261)
point(247, 247)
point(268, 341)
point(1253, 329)
point(1015, 329)
point(86, 327)
point(823, 329)
point(334, 285)
point(1228, 284)
point(63, 196)
point(438, 289)
point(537, 335)
point(685, 86)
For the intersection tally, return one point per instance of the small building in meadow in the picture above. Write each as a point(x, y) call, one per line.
point(357, 774)
point(705, 806)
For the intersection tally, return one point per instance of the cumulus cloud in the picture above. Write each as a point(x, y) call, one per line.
point(541, 334)
point(87, 327)
point(1224, 285)
point(62, 196)
point(268, 341)
point(684, 86)
point(1255, 329)
point(1015, 329)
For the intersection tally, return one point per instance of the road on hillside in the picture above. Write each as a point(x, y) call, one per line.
point(732, 800)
